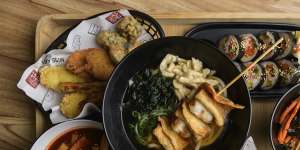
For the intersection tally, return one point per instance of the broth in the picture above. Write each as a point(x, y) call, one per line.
point(84, 138)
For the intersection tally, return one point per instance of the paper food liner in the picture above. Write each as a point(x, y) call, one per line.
point(81, 37)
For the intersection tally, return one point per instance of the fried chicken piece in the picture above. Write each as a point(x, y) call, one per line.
point(76, 63)
point(72, 104)
point(114, 43)
point(99, 64)
point(130, 28)
point(89, 63)
point(52, 76)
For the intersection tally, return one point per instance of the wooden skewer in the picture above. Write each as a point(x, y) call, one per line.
point(251, 65)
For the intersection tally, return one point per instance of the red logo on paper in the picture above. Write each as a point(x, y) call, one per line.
point(33, 79)
point(114, 17)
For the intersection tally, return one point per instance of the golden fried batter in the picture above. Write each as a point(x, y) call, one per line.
point(177, 141)
point(71, 104)
point(130, 28)
point(52, 76)
point(114, 43)
point(111, 38)
point(76, 63)
point(133, 44)
point(89, 63)
point(198, 127)
point(99, 64)
point(117, 54)
point(162, 138)
point(93, 90)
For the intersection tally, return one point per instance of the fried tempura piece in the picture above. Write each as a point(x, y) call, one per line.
point(87, 87)
point(93, 90)
point(114, 43)
point(52, 76)
point(117, 54)
point(200, 111)
point(199, 128)
point(218, 111)
point(220, 99)
point(162, 138)
point(178, 142)
point(181, 128)
point(111, 38)
point(99, 64)
point(76, 63)
point(72, 103)
point(133, 44)
point(129, 27)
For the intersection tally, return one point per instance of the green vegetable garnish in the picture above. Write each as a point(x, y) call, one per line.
point(149, 96)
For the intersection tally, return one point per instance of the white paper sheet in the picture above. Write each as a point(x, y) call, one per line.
point(81, 37)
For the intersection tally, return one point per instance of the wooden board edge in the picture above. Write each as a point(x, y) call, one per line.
point(164, 17)
point(191, 15)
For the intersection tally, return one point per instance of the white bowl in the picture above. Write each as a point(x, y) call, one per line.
point(58, 130)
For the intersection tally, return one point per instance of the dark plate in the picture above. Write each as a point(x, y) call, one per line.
point(284, 101)
point(212, 32)
point(152, 53)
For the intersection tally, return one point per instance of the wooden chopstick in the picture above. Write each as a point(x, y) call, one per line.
point(251, 65)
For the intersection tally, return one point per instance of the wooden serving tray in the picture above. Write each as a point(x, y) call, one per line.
point(51, 26)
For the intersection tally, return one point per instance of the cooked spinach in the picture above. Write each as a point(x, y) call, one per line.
point(148, 96)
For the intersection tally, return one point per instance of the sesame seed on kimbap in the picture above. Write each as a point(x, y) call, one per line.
point(230, 46)
point(270, 75)
point(286, 46)
point(249, 47)
point(288, 73)
point(267, 39)
point(253, 76)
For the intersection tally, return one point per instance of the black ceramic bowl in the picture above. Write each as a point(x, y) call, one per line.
point(284, 101)
point(152, 53)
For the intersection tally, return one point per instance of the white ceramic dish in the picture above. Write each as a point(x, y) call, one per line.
point(58, 130)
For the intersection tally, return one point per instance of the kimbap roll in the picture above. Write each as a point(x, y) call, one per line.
point(288, 72)
point(253, 76)
point(270, 75)
point(267, 39)
point(230, 46)
point(249, 47)
point(286, 46)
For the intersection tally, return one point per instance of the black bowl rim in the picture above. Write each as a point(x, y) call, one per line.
point(165, 38)
point(275, 110)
